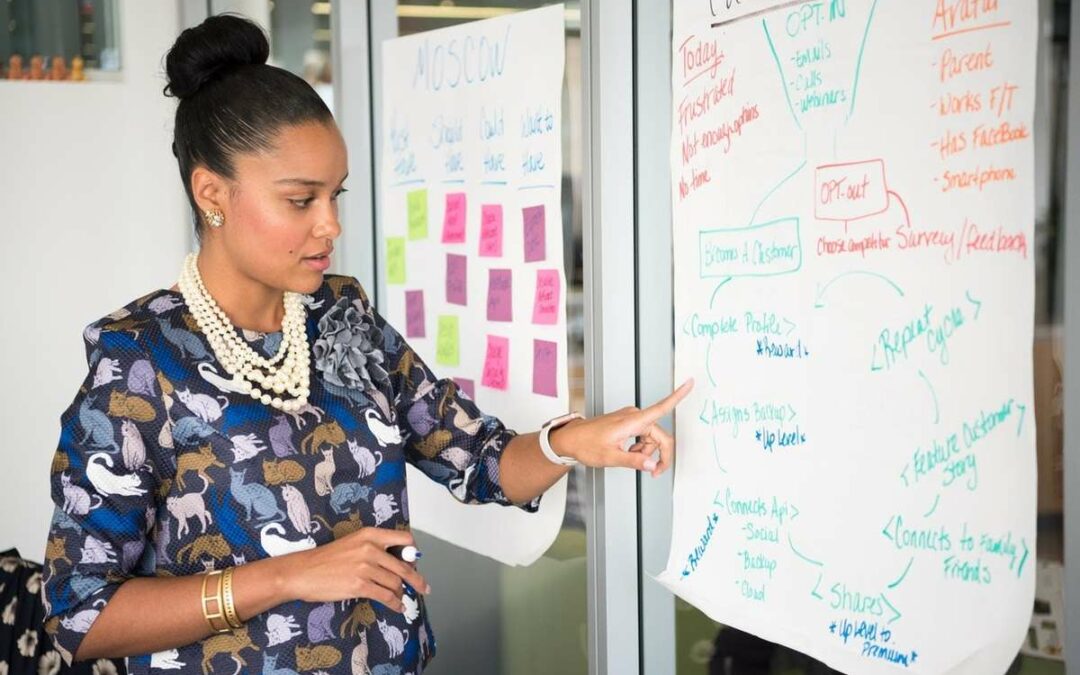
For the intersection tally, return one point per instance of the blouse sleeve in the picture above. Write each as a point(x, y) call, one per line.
point(104, 481)
point(449, 439)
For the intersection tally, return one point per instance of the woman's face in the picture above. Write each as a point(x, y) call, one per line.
point(281, 210)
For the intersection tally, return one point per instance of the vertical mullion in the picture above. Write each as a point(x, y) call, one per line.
point(353, 110)
point(610, 344)
point(655, 312)
point(1071, 338)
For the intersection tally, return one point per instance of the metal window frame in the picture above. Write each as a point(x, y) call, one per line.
point(1071, 355)
point(610, 340)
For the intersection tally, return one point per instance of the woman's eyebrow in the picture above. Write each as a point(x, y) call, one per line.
point(306, 182)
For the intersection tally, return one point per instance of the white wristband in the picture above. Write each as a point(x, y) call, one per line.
point(545, 444)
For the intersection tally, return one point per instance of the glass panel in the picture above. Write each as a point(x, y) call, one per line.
point(300, 37)
point(535, 620)
point(58, 39)
point(703, 646)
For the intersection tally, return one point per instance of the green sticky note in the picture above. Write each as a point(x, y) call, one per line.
point(447, 347)
point(395, 260)
point(417, 214)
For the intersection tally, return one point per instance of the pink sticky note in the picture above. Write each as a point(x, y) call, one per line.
point(548, 297)
point(535, 235)
point(500, 296)
point(497, 363)
point(414, 314)
point(491, 231)
point(453, 229)
point(456, 279)
point(467, 387)
point(545, 367)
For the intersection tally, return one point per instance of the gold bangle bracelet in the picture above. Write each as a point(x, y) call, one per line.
point(218, 614)
point(230, 607)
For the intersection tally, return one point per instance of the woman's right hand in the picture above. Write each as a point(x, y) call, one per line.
point(355, 566)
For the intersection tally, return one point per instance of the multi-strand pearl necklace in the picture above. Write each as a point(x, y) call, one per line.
point(264, 379)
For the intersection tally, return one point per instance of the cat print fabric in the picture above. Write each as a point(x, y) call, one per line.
point(164, 469)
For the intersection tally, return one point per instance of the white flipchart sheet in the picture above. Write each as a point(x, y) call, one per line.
point(472, 242)
point(853, 191)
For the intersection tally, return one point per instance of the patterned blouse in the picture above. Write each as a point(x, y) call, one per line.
point(163, 469)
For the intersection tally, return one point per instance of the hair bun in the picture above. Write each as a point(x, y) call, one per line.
point(217, 45)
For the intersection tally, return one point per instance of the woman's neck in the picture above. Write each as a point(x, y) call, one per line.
point(248, 303)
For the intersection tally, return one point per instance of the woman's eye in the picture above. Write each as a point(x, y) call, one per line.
point(301, 203)
point(339, 193)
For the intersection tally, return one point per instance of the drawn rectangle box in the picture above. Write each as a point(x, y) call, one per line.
point(850, 190)
point(764, 250)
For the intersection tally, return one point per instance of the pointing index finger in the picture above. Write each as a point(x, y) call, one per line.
point(657, 410)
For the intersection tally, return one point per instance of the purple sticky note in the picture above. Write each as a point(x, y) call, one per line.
point(548, 296)
point(467, 387)
point(414, 314)
point(545, 367)
point(535, 234)
point(491, 231)
point(453, 229)
point(497, 363)
point(500, 296)
point(456, 279)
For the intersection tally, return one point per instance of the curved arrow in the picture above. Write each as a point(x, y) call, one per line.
point(937, 411)
point(720, 285)
point(821, 292)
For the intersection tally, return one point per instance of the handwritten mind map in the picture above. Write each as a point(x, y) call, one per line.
point(852, 185)
point(472, 237)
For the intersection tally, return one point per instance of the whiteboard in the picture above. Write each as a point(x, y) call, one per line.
point(473, 242)
point(853, 208)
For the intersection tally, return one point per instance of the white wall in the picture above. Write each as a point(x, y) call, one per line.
point(92, 215)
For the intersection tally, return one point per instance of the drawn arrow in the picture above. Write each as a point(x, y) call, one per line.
point(937, 411)
point(796, 552)
point(906, 569)
point(717, 501)
point(977, 303)
point(720, 285)
point(702, 415)
point(1023, 412)
point(932, 508)
point(796, 510)
point(716, 455)
point(819, 303)
point(708, 364)
point(790, 408)
point(816, 585)
point(896, 612)
point(791, 326)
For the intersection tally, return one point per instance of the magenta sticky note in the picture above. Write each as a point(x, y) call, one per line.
point(414, 314)
point(467, 387)
point(548, 297)
point(457, 279)
point(453, 229)
point(497, 363)
point(500, 295)
point(535, 233)
point(545, 367)
point(491, 231)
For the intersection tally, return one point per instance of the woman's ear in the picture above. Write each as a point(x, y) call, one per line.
point(209, 190)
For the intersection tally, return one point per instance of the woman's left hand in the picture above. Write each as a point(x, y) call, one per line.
point(600, 441)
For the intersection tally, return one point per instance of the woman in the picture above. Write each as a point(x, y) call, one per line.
point(227, 492)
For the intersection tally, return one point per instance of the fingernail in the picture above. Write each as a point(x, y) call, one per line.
point(650, 465)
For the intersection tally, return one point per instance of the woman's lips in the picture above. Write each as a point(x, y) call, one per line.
point(319, 263)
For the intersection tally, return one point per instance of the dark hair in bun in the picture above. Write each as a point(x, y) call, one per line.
point(231, 101)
